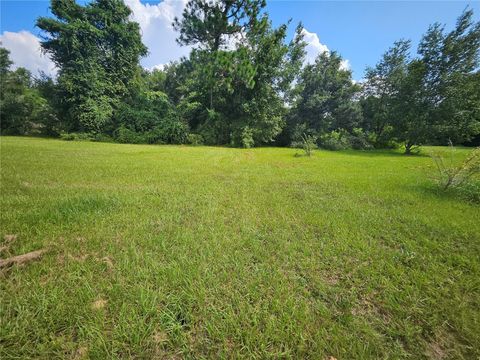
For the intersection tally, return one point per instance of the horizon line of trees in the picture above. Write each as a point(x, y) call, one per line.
point(242, 85)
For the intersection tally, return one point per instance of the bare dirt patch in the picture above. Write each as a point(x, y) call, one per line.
point(22, 259)
point(80, 353)
point(99, 304)
point(8, 240)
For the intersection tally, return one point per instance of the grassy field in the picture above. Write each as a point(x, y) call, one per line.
point(203, 252)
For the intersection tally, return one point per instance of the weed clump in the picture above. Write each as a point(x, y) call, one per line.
point(450, 175)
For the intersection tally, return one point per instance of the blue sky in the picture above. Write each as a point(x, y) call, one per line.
point(359, 31)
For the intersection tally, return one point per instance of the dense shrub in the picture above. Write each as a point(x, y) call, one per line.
point(93, 114)
point(247, 137)
point(211, 129)
point(126, 136)
point(151, 119)
point(385, 140)
point(359, 140)
point(77, 136)
point(335, 140)
point(470, 191)
point(195, 139)
point(99, 137)
point(169, 131)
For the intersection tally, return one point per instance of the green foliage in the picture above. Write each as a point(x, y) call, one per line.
point(195, 139)
point(212, 23)
point(383, 82)
point(5, 63)
point(360, 140)
point(22, 108)
point(76, 136)
point(171, 131)
point(211, 129)
point(99, 137)
point(93, 114)
point(97, 49)
point(326, 95)
point(432, 98)
point(335, 140)
point(167, 132)
point(247, 137)
point(470, 191)
point(451, 79)
point(148, 116)
point(126, 136)
point(243, 86)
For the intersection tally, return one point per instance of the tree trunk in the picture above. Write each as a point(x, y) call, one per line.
point(408, 148)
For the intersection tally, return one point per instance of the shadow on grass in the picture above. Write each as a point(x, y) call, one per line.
point(379, 153)
point(73, 209)
point(363, 153)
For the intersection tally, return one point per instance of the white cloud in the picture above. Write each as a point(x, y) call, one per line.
point(157, 34)
point(345, 64)
point(157, 31)
point(25, 52)
point(156, 67)
point(315, 47)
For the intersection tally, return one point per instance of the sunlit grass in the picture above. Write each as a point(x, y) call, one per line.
point(203, 252)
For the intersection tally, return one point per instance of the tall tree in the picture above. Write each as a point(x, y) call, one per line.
point(97, 49)
point(450, 62)
point(5, 62)
point(326, 99)
point(431, 98)
point(382, 85)
point(240, 71)
point(212, 23)
point(214, 26)
point(22, 108)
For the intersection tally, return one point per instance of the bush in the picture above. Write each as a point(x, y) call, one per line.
point(93, 114)
point(297, 135)
point(101, 138)
point(76, 136)
point(385, 140)
point(126, 136)
point(470, 191)
point(450, 175)
point(335, 140)
point(247, 137)
point(194, 139)
point(67, 136)
point(359, 140)
point(211, 129)
point(171, 131)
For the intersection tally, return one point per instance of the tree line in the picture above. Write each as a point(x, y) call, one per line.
point(243, 84)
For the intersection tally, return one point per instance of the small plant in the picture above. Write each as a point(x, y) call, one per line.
point(308, 144)
point(451, 175)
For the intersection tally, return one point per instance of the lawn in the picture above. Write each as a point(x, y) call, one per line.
point(210, 252)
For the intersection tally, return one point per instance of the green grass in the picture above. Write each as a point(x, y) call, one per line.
point(204, 252)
